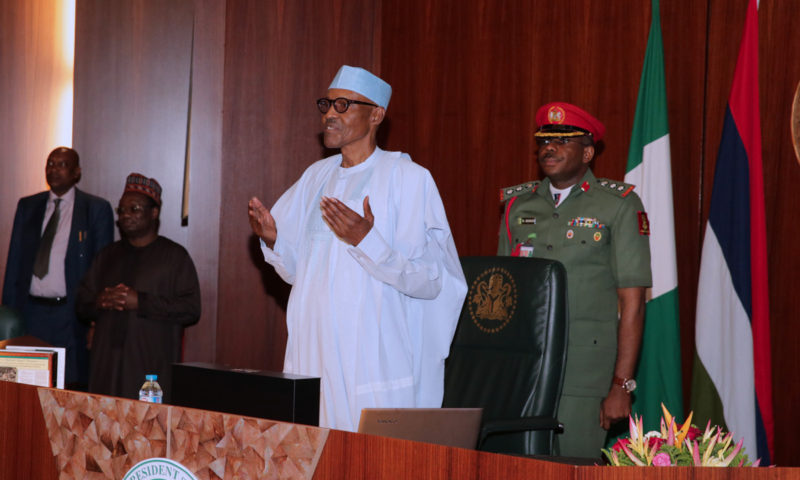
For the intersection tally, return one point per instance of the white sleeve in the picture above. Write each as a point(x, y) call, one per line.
point(284, 265)
point(288, 213)
point(418, 277)
point(423, 247)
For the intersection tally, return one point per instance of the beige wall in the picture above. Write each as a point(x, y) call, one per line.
point(35, 91)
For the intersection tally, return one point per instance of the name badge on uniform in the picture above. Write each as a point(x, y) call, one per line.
point(526, 220)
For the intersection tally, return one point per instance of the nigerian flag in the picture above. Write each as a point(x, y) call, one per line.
point(659, 372)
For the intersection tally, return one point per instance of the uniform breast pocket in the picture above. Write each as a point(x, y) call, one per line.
point(525, 234)
point(586, 237)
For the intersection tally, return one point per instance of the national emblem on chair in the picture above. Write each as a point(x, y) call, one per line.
point(509, 351)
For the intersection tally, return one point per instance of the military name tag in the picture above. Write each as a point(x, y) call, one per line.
point(527, 220)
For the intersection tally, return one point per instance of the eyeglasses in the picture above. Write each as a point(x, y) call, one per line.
point(558, 141)
point(340, 104)
point(134, 210)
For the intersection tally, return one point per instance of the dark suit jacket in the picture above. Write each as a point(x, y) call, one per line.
point(92, 229)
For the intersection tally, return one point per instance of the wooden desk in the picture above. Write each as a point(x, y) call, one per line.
point(46, 432)
point(26, 340)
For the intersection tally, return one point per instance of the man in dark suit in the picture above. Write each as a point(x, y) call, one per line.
point(55, 237)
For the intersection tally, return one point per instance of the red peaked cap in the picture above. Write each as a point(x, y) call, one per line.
point(561, 119)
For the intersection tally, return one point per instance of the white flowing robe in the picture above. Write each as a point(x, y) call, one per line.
point(374, 322)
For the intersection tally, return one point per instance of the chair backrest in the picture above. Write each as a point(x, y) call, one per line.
point(509, 350)
point(11, 324)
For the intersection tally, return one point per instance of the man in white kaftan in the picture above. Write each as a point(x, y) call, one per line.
point(377, 286)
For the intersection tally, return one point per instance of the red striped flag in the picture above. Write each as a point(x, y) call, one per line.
point(732, 383)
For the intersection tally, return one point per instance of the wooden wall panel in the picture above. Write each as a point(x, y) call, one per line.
point(136, 64)
point(461, 79)
point(779, 77)
point(280, 57)
point(465, 106)
point(205, 171)
point(684, 37)
point(138, 54)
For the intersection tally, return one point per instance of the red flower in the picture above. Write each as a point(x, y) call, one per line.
point(693, 433)
point(657, 441)
point(620, 442)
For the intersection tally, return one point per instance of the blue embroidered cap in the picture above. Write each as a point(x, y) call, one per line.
point(364, 83)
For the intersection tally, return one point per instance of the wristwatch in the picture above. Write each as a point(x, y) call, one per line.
point(627, 384)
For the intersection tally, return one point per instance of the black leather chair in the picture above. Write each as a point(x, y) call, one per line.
point(509, 351)
point(11, 324)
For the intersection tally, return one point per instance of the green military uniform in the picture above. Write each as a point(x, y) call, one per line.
point(600, 233)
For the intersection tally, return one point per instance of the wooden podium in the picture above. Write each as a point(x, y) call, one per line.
point(48, 433)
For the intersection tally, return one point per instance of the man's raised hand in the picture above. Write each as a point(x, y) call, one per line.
point(344, 222)
point(262, 222)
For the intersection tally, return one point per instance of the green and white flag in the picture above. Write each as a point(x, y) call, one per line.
point(659, 372)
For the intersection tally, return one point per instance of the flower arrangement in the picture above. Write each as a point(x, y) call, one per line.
point(674, 445)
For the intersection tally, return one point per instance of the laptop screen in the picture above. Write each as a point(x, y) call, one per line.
point(453, 427)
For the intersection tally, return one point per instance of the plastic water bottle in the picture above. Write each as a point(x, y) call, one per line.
point(151, 390)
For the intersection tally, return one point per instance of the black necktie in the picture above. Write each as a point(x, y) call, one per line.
point(42, 262)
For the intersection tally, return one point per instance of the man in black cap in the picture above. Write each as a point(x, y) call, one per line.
point(55, 237)
point(138, 296)
point(598, 229)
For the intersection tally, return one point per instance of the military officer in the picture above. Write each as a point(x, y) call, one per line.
point(599, 230)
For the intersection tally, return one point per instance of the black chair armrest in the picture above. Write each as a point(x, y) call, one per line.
point(524, 424)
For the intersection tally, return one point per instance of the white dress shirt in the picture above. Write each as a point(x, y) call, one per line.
point(54, 284)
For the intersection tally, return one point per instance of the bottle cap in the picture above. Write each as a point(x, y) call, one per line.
point(151, 377)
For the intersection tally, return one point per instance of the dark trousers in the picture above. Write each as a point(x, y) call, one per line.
point(58, 325)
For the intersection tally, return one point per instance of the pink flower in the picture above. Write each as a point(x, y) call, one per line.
point(662, 460)
point(620, 442)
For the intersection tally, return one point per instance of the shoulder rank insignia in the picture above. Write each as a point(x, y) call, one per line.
point(644, 223)
point(619, 189)
point(509, 192)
